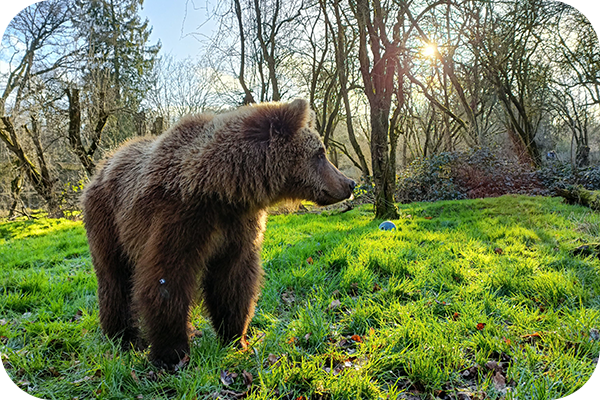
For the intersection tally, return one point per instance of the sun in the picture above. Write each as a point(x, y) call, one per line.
point(430, 50)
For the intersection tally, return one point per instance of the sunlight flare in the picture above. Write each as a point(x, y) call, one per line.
point(430, 50)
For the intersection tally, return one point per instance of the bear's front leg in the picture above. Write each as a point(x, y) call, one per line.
point(164, 288)
point(230, 287)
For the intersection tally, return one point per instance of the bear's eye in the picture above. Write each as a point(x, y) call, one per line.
point(321, 154)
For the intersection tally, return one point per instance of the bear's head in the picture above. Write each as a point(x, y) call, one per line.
point(295, 153)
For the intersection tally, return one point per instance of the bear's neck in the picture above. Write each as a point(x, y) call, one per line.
point(234, 172)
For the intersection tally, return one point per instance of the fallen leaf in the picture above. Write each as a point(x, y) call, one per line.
point(376, 288)
point(182, 363)
point(272, 359)
point(139, 396)
point(464, 395)
point(134, 376)
point(492, 365)
point(333, 305)
point(480, 326)
point(499, 381)
point(309, 260)
point(227, 378)
point(293, 339)
point(455, 316)
point(428, 217)
point(371, 331)
point(247, 378)
point(53, 371)
point(307, 336)
point(356, 338)
point(153, 376)
point(3, 322)
point(77, 316)
point(594, 334)
point(531, 336)
point(498, 250)
point(288, 297)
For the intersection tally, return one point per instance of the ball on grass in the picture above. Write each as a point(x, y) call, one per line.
point(387, 226)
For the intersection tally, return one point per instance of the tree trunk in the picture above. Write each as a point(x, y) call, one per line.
point(582, 156)
point(157, 126)
point(40, 178)
point(75, 131)
point(383, 177)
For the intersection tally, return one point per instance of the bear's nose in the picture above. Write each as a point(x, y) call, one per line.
point(352, 184)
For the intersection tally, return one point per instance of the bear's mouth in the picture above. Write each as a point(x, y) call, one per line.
point(327, 198)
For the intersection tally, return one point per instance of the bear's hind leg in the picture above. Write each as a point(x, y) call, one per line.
point(114, 296)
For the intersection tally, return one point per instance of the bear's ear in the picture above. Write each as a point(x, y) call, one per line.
point(277, 119)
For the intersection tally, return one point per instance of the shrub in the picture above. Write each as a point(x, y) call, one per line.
point(473, 174)
point(429, 179)
point(561, 175)
point(482, 173)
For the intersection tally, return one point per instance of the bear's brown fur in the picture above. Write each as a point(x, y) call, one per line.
point(184, 212)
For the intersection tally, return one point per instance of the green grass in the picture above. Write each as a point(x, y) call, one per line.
point(463, 294)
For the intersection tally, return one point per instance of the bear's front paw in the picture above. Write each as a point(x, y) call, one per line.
point(170, 360)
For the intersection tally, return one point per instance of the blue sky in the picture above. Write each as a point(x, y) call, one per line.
point(175, 21)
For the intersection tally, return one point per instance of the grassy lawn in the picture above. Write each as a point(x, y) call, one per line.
point(465, 300)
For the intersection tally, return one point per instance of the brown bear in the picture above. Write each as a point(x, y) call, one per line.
point(182, 214)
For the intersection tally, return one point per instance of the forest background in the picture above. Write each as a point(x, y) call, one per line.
point(420, 100)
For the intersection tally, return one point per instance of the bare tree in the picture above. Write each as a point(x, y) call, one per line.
point(85, 155)
point(461, 112)
point(263, 44)
point(577, 119)
point(515, 67)
point(576, 54)
point(42, 50)
point(248, 96)
point(343, 43)
point(181, 87)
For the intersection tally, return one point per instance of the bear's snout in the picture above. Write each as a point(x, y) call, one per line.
point(351, 186)
point(338, 187)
